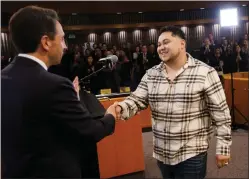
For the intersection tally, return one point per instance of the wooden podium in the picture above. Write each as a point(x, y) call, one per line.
point(240, 84)
point(122, 152)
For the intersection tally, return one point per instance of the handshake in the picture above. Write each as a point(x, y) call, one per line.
point(115, 110)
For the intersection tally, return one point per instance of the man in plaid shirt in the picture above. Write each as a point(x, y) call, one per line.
point(187, 99)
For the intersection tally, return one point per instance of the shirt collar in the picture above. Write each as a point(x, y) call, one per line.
point(37, 60)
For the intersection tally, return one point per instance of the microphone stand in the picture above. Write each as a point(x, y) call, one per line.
point(81, 81)
point(235, 126)
point(105, 65)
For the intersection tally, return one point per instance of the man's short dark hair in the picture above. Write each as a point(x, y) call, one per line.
point(29, 24)
point(176, 31)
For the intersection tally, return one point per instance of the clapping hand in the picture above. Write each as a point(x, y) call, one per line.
point(76, 86)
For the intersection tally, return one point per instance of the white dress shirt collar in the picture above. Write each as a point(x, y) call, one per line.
point(34, 59)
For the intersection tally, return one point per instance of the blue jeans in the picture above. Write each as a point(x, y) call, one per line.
point(193, 168)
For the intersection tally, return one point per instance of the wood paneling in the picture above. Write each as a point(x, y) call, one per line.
point(137, 36)
point(93, 7)
point(93, 37)
point(122, 37)
point(194, 34)
point(142, 25)
point(6, 46)
point(153, 35)
point(107, 37)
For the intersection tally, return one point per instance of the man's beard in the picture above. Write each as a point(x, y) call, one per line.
point(173, 57)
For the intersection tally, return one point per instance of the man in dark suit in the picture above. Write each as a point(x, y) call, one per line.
point(143, 61)
point(153, 57)
point(43, 122)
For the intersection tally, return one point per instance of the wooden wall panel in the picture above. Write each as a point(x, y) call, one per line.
point(6, 46)
point(194, 35)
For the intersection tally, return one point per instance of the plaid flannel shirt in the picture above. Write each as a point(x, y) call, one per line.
point(184, 111)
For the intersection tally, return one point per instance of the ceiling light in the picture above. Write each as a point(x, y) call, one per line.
point(202, 8)
point(140, 12)
point(181, 9)
point(244, 5)
point(119, 13)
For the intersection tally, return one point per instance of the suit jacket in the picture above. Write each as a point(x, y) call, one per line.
point(153, 59)
point(244, 63)
point(142, 65)
point(207, 57)
point(66, 67)
point(230, 64)
point(44, 125)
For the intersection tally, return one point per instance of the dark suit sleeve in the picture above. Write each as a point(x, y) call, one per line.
point(68, 112)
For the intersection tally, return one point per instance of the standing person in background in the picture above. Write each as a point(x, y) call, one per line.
point(207, 52)
point(135, 70)
point(143, 61)
point(241, 60)
point(153, 58)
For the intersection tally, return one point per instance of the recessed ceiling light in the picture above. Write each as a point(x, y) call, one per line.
point(202, 8)
point(119, 13)
point(244, 5)
point(181, 9)
point(140, 12)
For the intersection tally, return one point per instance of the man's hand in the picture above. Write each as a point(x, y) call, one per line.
point(112, 110)
point(76, 86)
point(222, 160)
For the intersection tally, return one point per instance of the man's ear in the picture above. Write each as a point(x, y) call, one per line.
point(46, 43)
point(183, 44)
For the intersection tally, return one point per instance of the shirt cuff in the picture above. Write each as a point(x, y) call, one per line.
point(223, 150)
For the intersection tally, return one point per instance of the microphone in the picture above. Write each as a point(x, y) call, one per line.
point(109, 60)
point(112, 58)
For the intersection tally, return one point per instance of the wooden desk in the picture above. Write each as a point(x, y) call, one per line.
point(122, 152)
point(144, 116)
